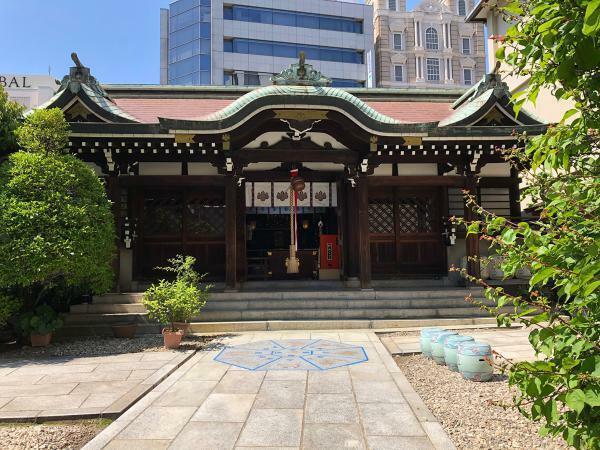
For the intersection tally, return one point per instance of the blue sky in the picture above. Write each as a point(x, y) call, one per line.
point(118, 39)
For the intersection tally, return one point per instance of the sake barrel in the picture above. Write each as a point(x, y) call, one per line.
point(472, 363)
point(450, 350)
point(425, 339)
point(496, 272)
point(437, 346)
point(523, 273)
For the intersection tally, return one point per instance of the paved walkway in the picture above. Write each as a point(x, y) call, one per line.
point(510, 343)
point(80, 387)
point(321, 393)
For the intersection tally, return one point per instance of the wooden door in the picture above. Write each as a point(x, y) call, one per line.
point(405, 232)
point(176, 221)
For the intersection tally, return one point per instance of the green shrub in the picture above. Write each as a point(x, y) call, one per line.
point(10, 115)
point(9, 306)
point(45, 131)
point(56, 224)
point(43, 320)
point(178, 300)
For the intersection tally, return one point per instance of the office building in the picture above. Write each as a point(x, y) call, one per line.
point(245, 42)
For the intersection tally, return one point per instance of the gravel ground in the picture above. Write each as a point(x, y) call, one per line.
point(50, 435)
point(100, 346)
point(465, 410)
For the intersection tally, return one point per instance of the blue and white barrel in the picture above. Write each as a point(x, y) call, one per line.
point(450, 347)
point(425, 339)
point(472, 361)
point(437, 346)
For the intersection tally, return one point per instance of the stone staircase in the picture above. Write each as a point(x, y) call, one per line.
point(288, 309)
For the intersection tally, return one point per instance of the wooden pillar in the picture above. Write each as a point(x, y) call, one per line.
point(514, 194)
point(472, 241)
point(114, 195)
point(351, 237)
point(231, 207)
point(364, 245)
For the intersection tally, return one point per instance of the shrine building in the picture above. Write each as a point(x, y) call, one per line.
point(205, 171)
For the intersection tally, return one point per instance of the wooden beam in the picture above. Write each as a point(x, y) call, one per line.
point(364, 244)
point(417, 180)
point(266, 155)
point(113, 193)
point(231, 207)
point(172, 180)
point(472, 241)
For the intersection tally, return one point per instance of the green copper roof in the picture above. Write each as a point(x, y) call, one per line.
point(300, 95)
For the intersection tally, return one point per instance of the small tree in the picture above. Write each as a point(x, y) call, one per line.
point(556, 43)
point(178, 300)
point(45, 131)
point(56, 225)
point(10, 115)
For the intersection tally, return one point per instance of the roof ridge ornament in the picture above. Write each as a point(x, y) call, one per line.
point(300, 74)
point(78, 75)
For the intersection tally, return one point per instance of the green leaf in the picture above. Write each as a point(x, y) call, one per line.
point(592, 396)
point(575, 400)
point(591, 21)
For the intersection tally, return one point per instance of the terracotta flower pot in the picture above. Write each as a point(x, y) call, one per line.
point(183, 326)
point(125, 331)
point(40, 340)
point(172, 339)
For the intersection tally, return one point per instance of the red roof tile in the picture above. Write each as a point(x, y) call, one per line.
point(148, 110)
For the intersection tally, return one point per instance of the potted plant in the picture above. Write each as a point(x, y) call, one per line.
point(174, 302)
point(124, 330)
point(40, 324)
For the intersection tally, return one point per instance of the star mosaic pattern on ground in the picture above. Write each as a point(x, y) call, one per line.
point(292, 354)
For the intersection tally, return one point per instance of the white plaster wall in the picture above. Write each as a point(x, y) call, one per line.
point(159, 168)
point(202, 169)
point(495, 170)
point(417, 169)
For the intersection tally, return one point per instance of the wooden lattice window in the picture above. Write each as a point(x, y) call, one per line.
point(162, 214)
point(415, 215)
point(206, 216)
point(381, 216)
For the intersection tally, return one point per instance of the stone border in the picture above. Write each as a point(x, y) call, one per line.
point(438, 437)
point(116, 409)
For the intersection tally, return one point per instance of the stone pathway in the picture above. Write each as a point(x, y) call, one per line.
point(323, 395)
point(73, 388)
point(510, 343)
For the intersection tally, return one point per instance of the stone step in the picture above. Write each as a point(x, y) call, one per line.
point(345, 294)
point(297, 304)
point(340, 314)
point(285, 325)
point(107, 308)
point(106, 318)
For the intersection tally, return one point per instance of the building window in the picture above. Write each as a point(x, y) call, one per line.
point(448, 69)
point(230, 79)
point(344, 83)
point(397, 41)
point(292, 19)
point(431, 39)
point(468, 76)
point(462, 7)
point(313, 52)
point(392, 5)
point(251, 79)
point(466, 46)
point(433, 69)
point(398, 73)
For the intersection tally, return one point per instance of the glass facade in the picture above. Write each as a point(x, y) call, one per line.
point(190, 42)
point(292, 19)
point(314, 52)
